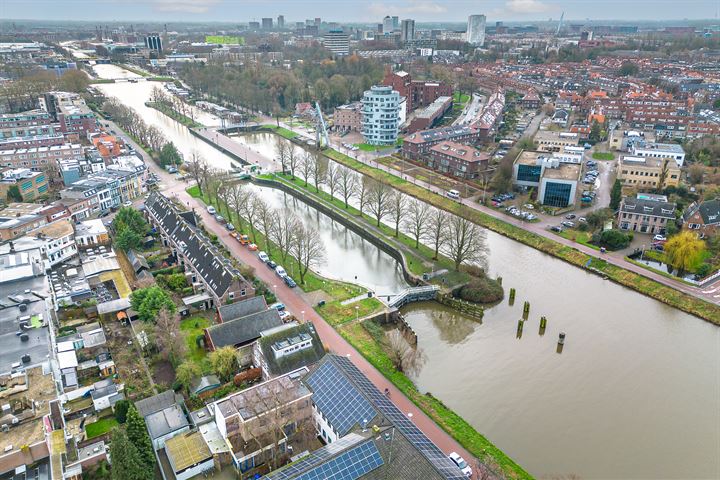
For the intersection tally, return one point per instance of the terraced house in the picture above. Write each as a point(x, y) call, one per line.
point(214, 279)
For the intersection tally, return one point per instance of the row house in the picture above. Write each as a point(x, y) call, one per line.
point(417, 145)
point(458, 160)
point(703, 217)
point(210, 273)
point(107, 189)
point(42, 158)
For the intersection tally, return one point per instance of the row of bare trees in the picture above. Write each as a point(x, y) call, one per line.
point(292, 239)
point(461, 240)
point(174, 103)
point(129, 120)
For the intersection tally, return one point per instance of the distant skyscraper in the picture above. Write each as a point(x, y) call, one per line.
point(396, 23)
point(338, 42)
point(267, 23)
point(254, 25)
point(318, 21)
point(407, 30)
point(281, 21)
point(387, 25)
point(476, 30)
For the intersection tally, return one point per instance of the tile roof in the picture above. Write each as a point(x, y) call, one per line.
point(242, 308)
point(150, 405)
point(243, 330)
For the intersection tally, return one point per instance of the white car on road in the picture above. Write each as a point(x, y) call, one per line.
point(462, 464)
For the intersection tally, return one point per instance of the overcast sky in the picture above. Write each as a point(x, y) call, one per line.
point(356, 10)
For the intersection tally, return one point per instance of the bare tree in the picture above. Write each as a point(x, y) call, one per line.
point(249, 211)
point(404, 357)
point(347, 184)
point(307, 166)
point(362, 192)
point(417, 219)
point(198, 167)
point(266, 217)
point(237, 197)
point(319, 171)
point(281, 149)
point(283, 232)
point(168, 338)
point(307, 249)
point(465, 241)
point(398, 208)
point(333, 177)
point(213, 183)
point(293, 159)
point(379, 197)
point(436, 231)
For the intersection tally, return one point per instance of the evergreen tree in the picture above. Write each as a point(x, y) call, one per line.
point(127, 463)
point(128, 240)
point(616, 195)
point(138, 435)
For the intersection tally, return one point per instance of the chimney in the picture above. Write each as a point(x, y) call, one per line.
point(12, 247)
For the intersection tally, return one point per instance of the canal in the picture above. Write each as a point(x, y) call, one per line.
point(634, 394)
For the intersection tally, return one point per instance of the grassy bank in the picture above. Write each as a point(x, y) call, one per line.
point(637, 282)
point(134, 70)
point(179, 117)
point(367, 341)
point(282, 131)
point(333, 311)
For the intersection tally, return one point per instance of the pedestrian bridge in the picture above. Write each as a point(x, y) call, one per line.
point(413, 294)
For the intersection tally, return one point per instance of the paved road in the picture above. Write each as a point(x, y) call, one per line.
point(296, 304)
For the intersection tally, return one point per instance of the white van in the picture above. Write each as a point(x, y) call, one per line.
point(454, 194)
point(264, 257)
point(280, 271)
point(211, 210)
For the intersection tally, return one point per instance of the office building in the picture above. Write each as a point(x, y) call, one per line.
point(556, 181)
point(476, 30)
point(30, 184)
point(407, 30)
point(659, 150)
point(154, 42)
point(648, 173)
point(338, 42)
point(395, 22)
point(387, 25)
point(281, 22)
point(381, 115)
point(267, 23)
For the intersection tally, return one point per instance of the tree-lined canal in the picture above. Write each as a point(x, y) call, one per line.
point(634, 394)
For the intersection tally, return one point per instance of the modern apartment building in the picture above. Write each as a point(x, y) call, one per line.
point(648, 173)
point(419, 93)
point(418, 144)
point(407, 30)
point(70, 111)
point(24, 124)
point(381, 115)
point(42, 158)
point(476, 30)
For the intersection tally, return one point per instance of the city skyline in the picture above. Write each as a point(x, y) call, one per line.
point(355, 11)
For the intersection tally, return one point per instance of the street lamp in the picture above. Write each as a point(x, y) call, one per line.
point(303, 315)
point(357, 312)
point(275, 291)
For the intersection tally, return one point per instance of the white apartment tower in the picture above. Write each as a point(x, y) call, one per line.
point(380, 115)
point(407, 30)
point(476, 30)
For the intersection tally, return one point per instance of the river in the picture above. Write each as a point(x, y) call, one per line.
point(635, 392)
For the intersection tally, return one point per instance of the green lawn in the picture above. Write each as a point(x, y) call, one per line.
point(179, 117)
point(603, 156)
point(366, 147)
point(282, 131)
point(191, 328)
point(336, 314)
point(461, 98)
point(582, 238)
point(100, 427)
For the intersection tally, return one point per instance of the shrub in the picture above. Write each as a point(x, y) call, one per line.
point(612, 239)
point(704, 270)
point(482, 290)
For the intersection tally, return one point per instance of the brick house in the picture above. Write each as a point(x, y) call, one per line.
point(703, 217)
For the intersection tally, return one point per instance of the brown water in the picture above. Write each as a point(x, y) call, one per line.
point(634, 394)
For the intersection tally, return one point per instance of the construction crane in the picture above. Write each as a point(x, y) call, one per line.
point(557, 32)
point(320, 128)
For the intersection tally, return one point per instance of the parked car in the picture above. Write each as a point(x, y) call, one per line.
point(252, 247)
point(211, 210)
point(659, 238)
point(462, 464)
point(220, 218)
point(278, 306)
point(280, 271)
point(230, 226)
point(556, 228)
point(582, 220)
point(284, 315)
point(454, 194)
point(290, 282)
point(243, 239)
point(271, 264)
point(658, 246)
point(127, 204)
point(263, 256)
point(529, 206)
point(570, 216)
point(568, 224)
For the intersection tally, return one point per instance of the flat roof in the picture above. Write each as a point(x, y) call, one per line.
point(187, 450)
point(566, 171)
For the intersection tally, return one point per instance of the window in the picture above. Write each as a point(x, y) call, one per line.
point(557, 194)
point(529, 173)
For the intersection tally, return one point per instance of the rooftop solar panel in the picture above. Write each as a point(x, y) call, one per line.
point(435, 456)
point(336, 398)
